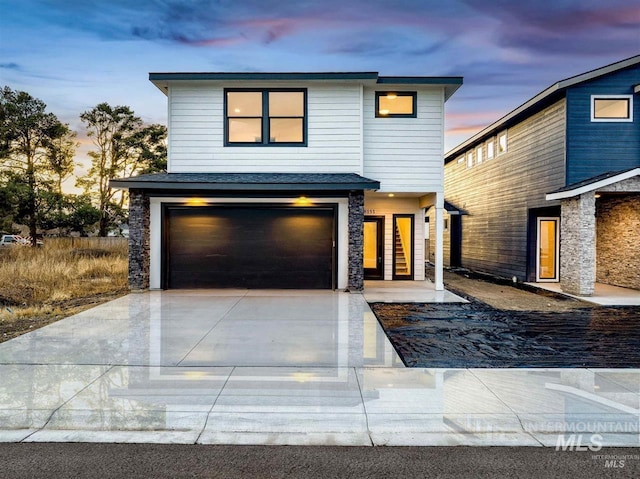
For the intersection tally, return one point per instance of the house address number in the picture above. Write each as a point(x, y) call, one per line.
point(369, 212)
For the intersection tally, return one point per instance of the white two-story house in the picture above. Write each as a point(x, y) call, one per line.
point(291, 180)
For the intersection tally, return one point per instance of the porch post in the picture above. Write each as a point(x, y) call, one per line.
point(439, 251)
point(356, 241)
point(578, 244)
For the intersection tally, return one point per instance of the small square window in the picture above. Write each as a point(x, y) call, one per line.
point(490, 149)
point(502, 143)
point(400, 104)
point(461, 159)
point(470, 159)
point(479, 154)
point(612, 108)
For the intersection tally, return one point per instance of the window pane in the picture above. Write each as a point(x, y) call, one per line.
point(490, 150)
point(286, 103)
point(245, 130)
point(285, 130)
point(402, 250)
point(244, 103)
point(394, 104)
point(611, 108)
point(370, 249)
point(502, 143)
point(547, 260)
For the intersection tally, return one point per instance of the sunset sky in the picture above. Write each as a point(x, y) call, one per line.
point(74, 54)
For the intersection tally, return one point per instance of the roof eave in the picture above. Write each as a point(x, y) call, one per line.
point(596, 185)
point(201, 186)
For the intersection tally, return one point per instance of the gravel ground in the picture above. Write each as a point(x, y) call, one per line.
point(504, 326)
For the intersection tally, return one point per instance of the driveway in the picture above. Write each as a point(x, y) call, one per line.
point(281, 367)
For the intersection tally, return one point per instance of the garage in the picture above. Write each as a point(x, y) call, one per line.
point(249, 246)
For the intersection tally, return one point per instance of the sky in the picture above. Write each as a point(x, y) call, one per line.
point(74, 54)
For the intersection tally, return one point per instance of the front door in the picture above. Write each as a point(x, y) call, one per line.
point(373, 254)
point(548, 249)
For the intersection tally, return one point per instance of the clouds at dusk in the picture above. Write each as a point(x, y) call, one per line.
point(76, 53)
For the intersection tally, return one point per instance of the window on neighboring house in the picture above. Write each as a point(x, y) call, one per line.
point(401, 104)
point(470, 159)
point(479, 154)
point(502, 143)
point(461, 159)
point(490, 149)
point(611, 108)
point(265, 117)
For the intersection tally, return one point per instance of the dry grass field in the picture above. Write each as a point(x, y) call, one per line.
point(63, 277)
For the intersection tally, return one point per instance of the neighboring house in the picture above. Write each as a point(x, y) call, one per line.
point(290, 180)
point(551, 191)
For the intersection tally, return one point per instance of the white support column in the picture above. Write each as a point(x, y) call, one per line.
point(439, 240)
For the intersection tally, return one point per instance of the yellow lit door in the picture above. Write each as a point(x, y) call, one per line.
point(547, 249)
point(373, 248)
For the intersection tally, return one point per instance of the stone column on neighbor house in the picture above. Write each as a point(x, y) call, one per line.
point(138, 240)
point(578, 244)
point(356, 241)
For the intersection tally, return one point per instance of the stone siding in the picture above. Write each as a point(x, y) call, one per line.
point(578, 245)
point(618, 240)
point(138, 240)
point(356, 241)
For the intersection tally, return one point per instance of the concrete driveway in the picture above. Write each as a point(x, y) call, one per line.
point(281, 367)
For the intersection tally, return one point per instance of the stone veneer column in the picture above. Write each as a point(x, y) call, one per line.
point(578, 245)
point(356, 241)
point(138, 240)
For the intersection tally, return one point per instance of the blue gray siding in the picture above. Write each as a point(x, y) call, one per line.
point(595, 148)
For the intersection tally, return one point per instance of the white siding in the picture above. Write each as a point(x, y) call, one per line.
point(405, 154)
point(196, 132)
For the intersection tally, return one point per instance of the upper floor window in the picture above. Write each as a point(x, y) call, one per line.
point(502, 143)
point(479, 154)
point(611, 108)
point(470, 159)
point(490, 149)
point(400, 104)
point(265, 117)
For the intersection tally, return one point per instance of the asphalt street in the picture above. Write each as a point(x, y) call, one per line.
point(96, 461)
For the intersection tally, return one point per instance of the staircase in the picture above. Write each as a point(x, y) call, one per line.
point(401, 259)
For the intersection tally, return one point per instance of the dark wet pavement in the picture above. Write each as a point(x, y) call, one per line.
point(475, 335)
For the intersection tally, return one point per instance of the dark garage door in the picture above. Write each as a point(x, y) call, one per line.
point(249, 247)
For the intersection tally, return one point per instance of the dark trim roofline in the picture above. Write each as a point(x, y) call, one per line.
point(246, 182)
point(146, 185)
point(451, 83)
point(555, 90)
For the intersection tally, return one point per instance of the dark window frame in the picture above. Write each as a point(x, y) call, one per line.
point(265, 123)
point(413, 94)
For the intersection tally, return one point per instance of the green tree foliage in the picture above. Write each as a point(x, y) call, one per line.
point(124, 146)
point(28, 137)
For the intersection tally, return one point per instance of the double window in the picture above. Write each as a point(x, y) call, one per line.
point(612, 108)
point(261, 117)
point(401, 104)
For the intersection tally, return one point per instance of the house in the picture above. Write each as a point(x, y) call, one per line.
point(290, 180)
point(551, 191)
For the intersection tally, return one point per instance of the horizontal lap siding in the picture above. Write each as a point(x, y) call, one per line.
point(594, 148)
point(405, 154)
point(196, 129)
point(498, 193)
